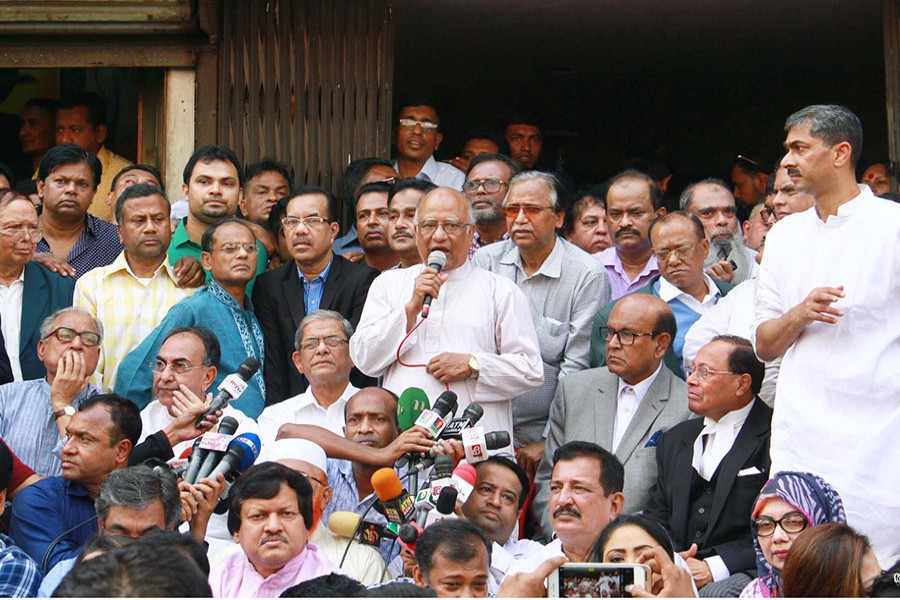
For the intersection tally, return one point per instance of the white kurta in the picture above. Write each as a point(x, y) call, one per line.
point(837, 403)
point(478, 313)
point(304, 409)
point(156, 416)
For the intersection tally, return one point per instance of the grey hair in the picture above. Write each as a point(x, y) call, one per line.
point(137, 488)
point(832, 124)
point(47, 323)
point(322, 315)
point(557, 191)
point(687, 196)
point(470, 212)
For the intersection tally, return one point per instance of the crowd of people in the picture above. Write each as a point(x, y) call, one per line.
point(703, 381)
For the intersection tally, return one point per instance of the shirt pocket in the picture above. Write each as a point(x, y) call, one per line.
point(552, 338)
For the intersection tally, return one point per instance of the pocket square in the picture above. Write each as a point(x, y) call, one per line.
point(654, 439)
point(749, 471)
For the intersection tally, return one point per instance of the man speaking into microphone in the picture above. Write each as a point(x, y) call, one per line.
point(477, 338)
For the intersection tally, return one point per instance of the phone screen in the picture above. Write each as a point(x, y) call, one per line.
point(594, 582)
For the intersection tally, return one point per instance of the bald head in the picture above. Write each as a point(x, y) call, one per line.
point(651, 323)
point(442, 206)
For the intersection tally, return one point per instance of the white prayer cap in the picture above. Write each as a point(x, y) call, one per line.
point(297, 449)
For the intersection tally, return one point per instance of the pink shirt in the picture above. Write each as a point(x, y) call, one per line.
point(235, 577)
point(619, 282)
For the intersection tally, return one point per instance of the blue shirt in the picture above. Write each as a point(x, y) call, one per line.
point(97, 246)
point(20, 576)
point(55, 576)
point(28, 426)
point(53, 509)
point(312, 290)
point(134, 379)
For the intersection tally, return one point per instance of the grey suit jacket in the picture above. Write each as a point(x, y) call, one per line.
point(584, 408)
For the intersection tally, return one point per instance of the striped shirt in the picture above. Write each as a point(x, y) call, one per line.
point(97, 246)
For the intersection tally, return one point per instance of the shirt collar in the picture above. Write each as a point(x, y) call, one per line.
point(640, 388)
point(323, 275)
point(180, 236)
point(849, 208)
point(734, 420)
point(460, 272)
point(121, 264)
point(429, 170)
point(668, 291)
point(552, 265)
point(611, 258)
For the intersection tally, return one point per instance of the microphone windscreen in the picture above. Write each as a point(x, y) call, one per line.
point(445, 403)
point(251, 444)
point(437, 259)
point(443, 466)
point(248, 369)
point(386, 484)
point(466, 472)
point(496, 440)
point(446, 501)
point(343, 523)
point(411, 404)
point(228, 425)
point(473, 412)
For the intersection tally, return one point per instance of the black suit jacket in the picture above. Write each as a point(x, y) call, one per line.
point(280, 306)
point(728, 534)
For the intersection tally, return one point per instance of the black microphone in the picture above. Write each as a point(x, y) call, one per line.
point(232, 387)
point(228, 425)
point(446, 501)
point(242, 453)
point(197, 456)
point(434, 420)
point(436, 260)
point(469, 418)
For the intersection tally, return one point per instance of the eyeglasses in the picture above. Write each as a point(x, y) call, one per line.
point(681, 253)
point(17, 233)
point(292, 223)
point(451, 228)
point(425, 125)
point(530, 210)
point(626, 337)
point(332, 341)
point(793, 522)
point(180, 367)
point(703, 373)
point(491, 186)
point(748, 160)
point(235, 247)
point(68, 335)
point(316, 479)
point(389, 180)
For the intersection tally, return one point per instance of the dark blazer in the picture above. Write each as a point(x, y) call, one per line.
point(44, 293)
point(728, 534)
point(279, 304)
point(598, 344)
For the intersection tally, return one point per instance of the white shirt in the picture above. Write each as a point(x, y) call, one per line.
point(441, 174)
point(837, 403)
point(478, 313)
point(733, 315)
point(627, 403)
point(156, 416)
point(11, 315)
point(304, 409)
point(668, 292)
point(504, 557)
point(722, 434)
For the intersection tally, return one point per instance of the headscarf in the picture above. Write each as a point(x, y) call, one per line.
point(807, 493)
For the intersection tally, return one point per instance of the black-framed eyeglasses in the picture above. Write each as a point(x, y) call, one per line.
point(67, 335)
point(792, 522)
point(626, 337)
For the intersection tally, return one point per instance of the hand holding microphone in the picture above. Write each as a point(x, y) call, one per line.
point(427, 286)
point(232, 387)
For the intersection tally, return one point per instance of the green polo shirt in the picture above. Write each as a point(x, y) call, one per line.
point(181, 245)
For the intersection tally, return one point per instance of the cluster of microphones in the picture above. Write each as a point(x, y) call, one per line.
point(408, 513)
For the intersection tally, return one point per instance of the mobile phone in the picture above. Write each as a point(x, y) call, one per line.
point(597, 580)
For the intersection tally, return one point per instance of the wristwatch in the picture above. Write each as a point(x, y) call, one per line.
point(67, 411)
point(473, 367)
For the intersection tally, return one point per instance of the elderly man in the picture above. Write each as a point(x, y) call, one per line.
point(270, 515)
point(680, 246)
point(28, 291)
point(403, 201)
point(229, 254)
point(633, 200)
point(728, 259)
point(826, 302)
point(322, 356)
point(133, 294)
point(73, 241)
point(315, 279)
point(565, 288)
point(473, 342)
point(711, 468)
point(487, 183)
point(53, 518)
point(453, 558)
point(623, 407)
point(34, 414)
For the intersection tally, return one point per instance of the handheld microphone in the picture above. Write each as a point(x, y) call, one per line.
point(433, 420)
point(179, 465)
point(441, 475)
point(344, 523)
point(232, 387)
point(476, 443)
point(464, 477)
point(197, 456)
point(446, 501)
point(227, 426)
point(436, 260)
point(469, 418)
point(397, 504)
point(242, 453)
point(410, 406)
point(409, 535)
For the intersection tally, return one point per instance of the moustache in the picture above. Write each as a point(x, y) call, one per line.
point(793, 171)
point(303, 240)
point(401, 234)
point(563, 510)
point(359, 439)
point(624, 230)
point(271, 536)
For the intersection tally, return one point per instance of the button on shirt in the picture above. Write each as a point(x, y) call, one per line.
point(313, 290)
point(627, 404)
point(304, 410)
point(11, 320)
point(619, 282)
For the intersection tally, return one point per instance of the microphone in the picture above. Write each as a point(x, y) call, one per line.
point(197, 456)
point(242, 453)
point(464, 480)
point(433, 420)
point(227, 427)
point(179, 465)
point(344, 523)
point(470, 416)
point(436, 260)
point(398, 506)
point(409, 534)
point(232, 387)
point(476, 443)
point(410, 406)
point(441, 475)
point(446, 502)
